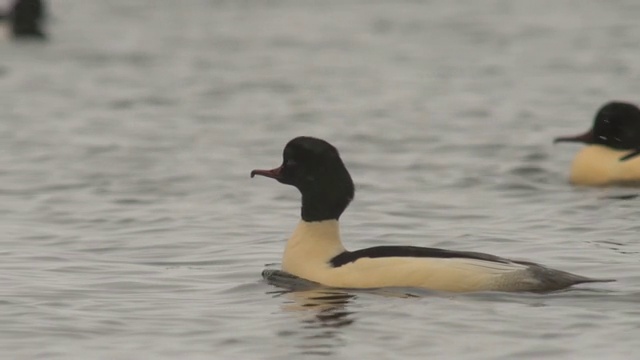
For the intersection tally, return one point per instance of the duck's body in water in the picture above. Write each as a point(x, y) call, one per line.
point(315, 252)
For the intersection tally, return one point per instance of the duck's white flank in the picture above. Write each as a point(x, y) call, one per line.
point(598, 165)
point(314, 244)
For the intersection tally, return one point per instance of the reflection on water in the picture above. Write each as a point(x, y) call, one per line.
point(323, 312)
point(324, 302)
point(623, 197)
point(327, 306)
point(326, 315)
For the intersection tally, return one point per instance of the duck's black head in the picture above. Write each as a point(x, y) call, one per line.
point(616, 125)
point(27, 18)
point(314, 167)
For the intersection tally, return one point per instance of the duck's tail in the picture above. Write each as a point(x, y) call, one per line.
point(551, 280)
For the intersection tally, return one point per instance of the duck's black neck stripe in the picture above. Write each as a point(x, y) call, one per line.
point(318, 207)
point(409, 251)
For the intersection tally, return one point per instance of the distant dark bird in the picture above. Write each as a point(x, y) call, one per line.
point(614, 134)
point(26, 19)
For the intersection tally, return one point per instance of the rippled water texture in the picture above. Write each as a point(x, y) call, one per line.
point(131, 228)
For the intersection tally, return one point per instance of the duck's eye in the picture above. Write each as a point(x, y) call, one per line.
point(290, 163)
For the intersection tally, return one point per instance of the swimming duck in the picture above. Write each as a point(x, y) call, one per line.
point(615, 132)
point(315, 252)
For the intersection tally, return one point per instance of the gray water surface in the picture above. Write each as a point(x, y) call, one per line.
point(131, 229)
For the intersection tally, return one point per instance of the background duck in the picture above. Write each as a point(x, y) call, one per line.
point(24, 20)
point(615, 131)
point(315, 251)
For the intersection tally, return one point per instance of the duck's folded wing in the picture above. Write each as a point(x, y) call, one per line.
point(412, 252)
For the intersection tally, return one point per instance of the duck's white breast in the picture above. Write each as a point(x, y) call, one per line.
point(598, 165)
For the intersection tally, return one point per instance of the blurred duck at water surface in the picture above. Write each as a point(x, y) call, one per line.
point(24, 19)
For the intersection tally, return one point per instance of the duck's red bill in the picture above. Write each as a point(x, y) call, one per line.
point(586, 138)
point(273, 173)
